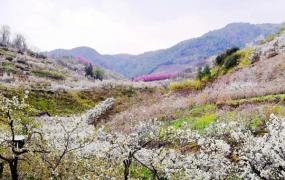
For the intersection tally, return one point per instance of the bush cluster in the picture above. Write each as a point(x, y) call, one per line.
point(220, 59)
point(96, 73)
point(204, 73)
point(223, 62)
point(231, 61)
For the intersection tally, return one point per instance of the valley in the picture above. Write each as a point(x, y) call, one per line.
point(77, 119)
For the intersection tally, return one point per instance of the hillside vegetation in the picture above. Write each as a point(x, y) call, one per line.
point(58, 121)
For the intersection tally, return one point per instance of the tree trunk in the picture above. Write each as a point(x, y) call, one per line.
point(14, 168)
point(127, 164)
point(1, 170)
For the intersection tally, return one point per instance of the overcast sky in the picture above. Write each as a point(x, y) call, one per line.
point(128, 26)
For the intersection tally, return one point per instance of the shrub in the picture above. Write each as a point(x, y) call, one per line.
point(270, 38)
point(186, 84)
point(231, 61)
point(98, 73)
point(199, 73)
point(219, 61)
point(207, 71)
point(245, 56)
point(204, 74)
point(214, 72)
point(9, 58)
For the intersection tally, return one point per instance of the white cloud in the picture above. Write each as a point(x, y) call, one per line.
point(128, 26)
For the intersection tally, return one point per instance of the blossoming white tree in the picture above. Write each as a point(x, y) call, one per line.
point(18, 135)
point(71, 146)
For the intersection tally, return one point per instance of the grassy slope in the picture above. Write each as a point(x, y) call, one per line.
point(72, 102)
point(252, 92)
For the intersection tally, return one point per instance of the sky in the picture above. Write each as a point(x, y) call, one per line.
point(128, 26)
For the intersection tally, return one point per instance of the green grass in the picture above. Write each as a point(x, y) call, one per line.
point(48, 74)
point(254, 117)
point(199, 118)
point(7, 54)
point(256, 122)
point(196, 123)
point(200, 110)
point(179, 122)
point(204, 121)
point(63, 103)
point(185, 84)
point(73, 102)
point(54, 103)
point(258, 99)
point(59, 103)
point(140, 172)
point(8, 67)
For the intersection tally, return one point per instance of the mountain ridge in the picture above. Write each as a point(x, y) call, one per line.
point(188, 52)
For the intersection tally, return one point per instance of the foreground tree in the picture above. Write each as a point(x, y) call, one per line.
point(43, 148)
point(18, 133)
point(66, 139)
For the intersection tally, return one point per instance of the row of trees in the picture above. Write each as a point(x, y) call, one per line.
point(19, 41)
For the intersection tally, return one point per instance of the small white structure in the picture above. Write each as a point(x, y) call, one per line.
point(19, 141)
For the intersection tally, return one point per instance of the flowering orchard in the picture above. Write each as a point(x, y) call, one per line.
point(69, 148)
point(225, 151)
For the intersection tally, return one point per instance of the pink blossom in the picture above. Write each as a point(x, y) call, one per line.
point(82, 60)
point(154, 77)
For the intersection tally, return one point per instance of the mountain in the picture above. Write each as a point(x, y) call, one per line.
point(184, 55)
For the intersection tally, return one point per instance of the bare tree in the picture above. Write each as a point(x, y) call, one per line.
point(5, 35)
point(19, 42)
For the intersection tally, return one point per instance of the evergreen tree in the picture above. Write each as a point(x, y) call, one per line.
point(206, 72)
point(89, 70)
point(199, 74)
